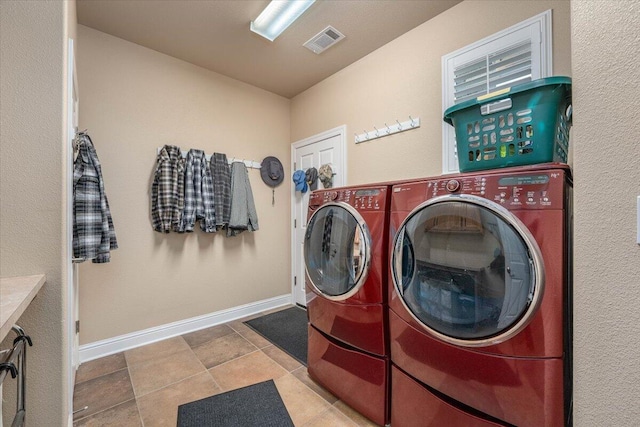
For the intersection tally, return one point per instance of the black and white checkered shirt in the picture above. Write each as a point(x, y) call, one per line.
point(221, 174)
point(167, 190)
point(93, 233)
point(198, 193)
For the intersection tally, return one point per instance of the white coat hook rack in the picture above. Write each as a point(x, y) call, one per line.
point(251, 164)
point(412, 123)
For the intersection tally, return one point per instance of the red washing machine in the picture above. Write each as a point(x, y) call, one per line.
point(346, 259)
point(480, 307)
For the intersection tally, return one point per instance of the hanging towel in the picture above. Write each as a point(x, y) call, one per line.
point(93, 233)
point(167, 190)
point(221, 175)
point(243, 210)
point(198, 193)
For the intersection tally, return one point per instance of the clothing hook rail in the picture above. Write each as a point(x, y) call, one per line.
point(251, 164)
point(412, 123)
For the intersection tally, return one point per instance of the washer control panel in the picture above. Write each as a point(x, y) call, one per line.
point(363, 199)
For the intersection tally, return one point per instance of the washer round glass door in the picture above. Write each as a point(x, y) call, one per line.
point(468, 270)
point(337, 248)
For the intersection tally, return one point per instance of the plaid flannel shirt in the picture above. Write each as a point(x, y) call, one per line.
point(198, 193)
point(167, 190)
point(93, 233)
point(221, 174)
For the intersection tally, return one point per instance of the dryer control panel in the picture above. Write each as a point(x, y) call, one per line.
point(525, 191)
point(513, 190)
point(363, 199)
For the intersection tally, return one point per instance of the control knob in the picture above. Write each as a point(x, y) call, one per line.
point(453, 185)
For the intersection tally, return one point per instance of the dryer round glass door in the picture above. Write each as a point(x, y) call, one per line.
point(337, 249)
point(468, 270)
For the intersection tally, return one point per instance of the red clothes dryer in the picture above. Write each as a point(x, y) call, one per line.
point(346, 259)
point(480, 307)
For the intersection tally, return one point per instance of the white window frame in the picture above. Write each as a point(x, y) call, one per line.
point(538, 28)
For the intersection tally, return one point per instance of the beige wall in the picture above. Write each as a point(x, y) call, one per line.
point(606, 98)
point(33, 49)
point(140, 284)
point(133, 100)
point(403, 78)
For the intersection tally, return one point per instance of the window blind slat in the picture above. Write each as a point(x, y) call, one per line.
point(479, 81)
point(510, 51)
point(479, 74)
point(505, 66)
point(507, 74)
point(470, 67)
point(479, 88)
point(471, 93)
point(513, 80)
point(514, 49)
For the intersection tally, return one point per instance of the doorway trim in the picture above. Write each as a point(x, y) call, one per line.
point(71, 269)
point(341, 132)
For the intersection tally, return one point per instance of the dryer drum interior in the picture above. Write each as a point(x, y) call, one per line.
point(337, 251)
point(467, 270)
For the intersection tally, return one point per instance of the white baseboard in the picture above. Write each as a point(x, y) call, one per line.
point(114, 345)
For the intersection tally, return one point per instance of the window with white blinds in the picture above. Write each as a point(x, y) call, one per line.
point(516, 55)
point(509, 66)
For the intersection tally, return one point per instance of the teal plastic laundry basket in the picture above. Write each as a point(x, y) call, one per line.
point(521, 125)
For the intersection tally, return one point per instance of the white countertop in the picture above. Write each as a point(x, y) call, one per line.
point(16, 293)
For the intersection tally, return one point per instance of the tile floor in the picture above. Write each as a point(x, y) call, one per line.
point(145, 386)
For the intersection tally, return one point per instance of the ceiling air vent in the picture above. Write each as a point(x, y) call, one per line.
point(324, 40)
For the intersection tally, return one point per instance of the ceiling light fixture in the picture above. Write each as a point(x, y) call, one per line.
point(277, 16)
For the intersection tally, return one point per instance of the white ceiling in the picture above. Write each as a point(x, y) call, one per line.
point(214, 34)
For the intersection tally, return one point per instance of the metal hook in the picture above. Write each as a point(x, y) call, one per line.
point(388, 130)
point(399, 125)
point(412, 125)
point(366, 134)
point(376, 131)
point(357, 137)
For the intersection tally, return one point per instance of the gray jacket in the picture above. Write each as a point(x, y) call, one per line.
point(243, 214)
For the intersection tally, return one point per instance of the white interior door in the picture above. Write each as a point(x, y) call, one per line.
point(72, 270)
point(327, 147)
